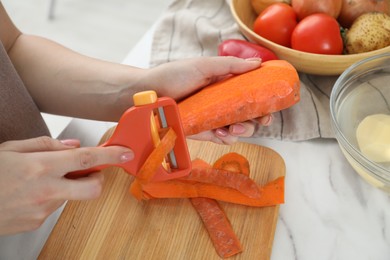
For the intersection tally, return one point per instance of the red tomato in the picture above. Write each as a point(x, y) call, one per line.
point(318, 33)
point(276, 23)
point(243, 49)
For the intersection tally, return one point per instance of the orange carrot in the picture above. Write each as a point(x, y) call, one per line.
point(218, 226)
point(152, 163)
point(221, 177)
point(272, 87)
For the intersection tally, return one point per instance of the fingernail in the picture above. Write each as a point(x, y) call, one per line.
point(71, 142)
point(221, 132)
point(127, 156)
point(256, 59)
point(238, 129)
point(268, 121)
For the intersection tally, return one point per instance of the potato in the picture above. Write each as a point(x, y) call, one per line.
point(370, 31)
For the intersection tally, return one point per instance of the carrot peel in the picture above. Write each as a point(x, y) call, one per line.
point(184, 189)
point(227, 180)
point(218, 227)
point(233, 162)
point(224, 178)
point(213, 216)
point(193, 187)
point(152, 163)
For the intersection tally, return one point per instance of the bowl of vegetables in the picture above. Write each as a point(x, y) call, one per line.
point(360, 117)
point(308, 49)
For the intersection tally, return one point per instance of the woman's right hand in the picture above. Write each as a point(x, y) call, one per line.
point(33, 182)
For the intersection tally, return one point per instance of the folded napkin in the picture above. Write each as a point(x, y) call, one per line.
point(191, 28)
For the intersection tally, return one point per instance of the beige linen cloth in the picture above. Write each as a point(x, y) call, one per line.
point(191, 28)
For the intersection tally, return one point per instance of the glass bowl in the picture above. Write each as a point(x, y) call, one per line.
point(362, 90)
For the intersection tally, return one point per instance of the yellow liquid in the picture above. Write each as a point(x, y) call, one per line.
point(373, 136)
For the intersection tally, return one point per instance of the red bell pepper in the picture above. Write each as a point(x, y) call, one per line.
point(243, 49)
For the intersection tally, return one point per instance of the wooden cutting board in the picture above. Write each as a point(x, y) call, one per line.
point(117, 226)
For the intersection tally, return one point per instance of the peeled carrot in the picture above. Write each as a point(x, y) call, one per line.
point(272, 87)
point(218, 226)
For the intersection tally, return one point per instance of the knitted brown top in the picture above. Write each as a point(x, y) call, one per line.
point(19, 116)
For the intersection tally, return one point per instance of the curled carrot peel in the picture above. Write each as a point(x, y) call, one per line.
point(220, 177)
point(152, 163)
point(217, 224)
point(137, 191)
point(154, 160)
point(271, 194)
point(218, 227)
point(228, 180)
point(233, 162)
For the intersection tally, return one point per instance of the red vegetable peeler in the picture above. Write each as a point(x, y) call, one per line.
point(138, 130)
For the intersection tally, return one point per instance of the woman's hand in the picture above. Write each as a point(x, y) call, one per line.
point(32, 182)
point(181, 78)
point(230, 134)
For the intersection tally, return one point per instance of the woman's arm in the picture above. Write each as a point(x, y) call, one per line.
point(64, 82)
point(8, 32)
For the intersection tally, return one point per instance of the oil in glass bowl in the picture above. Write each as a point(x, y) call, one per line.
point(361, 91)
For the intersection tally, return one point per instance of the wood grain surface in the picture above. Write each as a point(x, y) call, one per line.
point(117, 226)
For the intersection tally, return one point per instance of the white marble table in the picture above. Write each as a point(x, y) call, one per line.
point(329, 213)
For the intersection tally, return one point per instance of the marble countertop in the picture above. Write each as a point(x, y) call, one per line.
point(329, 212)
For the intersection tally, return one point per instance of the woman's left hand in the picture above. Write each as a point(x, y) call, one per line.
point(230, 134)
point(179, 79)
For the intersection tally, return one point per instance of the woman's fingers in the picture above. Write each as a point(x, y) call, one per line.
point(265, 120)
point(43, 143)
point(219, 136)
point(230, 134)
point(248, 128)
point(62, 162)
point(244, 129)
point(193, 74)
point(221, 66)
point(86, 188)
